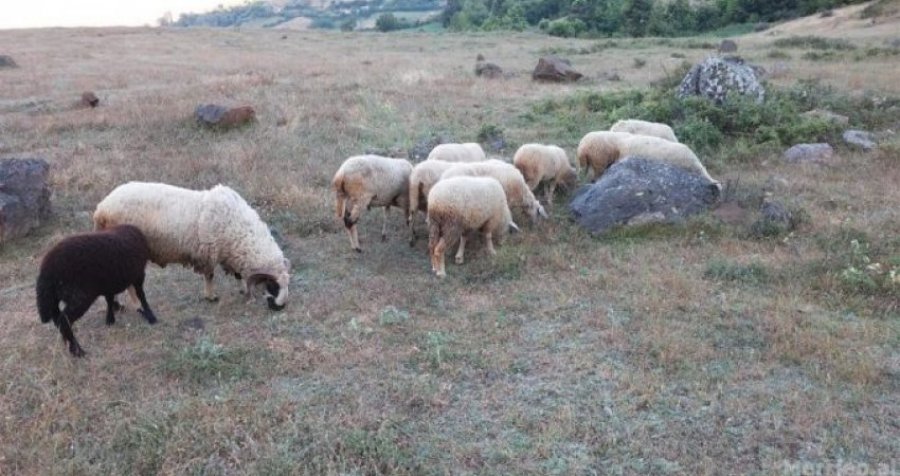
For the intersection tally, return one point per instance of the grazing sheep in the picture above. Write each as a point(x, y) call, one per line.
point(81, 268)
point(458, 205)
point(661, 150)
point(467, 152)
point(539, 163)
point(645, 128)
point(201, 229)
point(424, 175)
point(518, 195)
point(366, 181)
point(598, 150)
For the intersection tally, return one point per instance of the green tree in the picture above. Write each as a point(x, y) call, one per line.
point(636, 17)
point(387, 22)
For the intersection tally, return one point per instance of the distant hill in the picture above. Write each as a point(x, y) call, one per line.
point(347, 14)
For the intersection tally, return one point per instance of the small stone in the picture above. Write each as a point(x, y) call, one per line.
point(860, 139)
point(810, 153)
point(554, 68)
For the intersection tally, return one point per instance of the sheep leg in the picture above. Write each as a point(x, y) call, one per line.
point(111, 307)
point(351, 217)
point(461, 250)
point(550, 188)
point(70, 314)
point(489, 242)
point(209, 287)
point(145, 308)
point(437, 257)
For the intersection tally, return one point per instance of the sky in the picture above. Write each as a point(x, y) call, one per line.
point(50, 13)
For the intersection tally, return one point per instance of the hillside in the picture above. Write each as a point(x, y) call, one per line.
point(301, 14)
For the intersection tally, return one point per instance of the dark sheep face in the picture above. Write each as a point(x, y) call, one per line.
point(272, 290)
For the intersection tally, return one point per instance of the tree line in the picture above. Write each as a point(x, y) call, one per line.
point(634, 18)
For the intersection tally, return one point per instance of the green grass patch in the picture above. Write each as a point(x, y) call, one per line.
point(727, 271)
point(206, 361)
point(815, 43)
point(738, 130)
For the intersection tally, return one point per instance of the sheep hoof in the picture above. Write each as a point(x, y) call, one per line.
point(383, 238)
point(76, 350)
point(459, 260)
point(358, 250)
point(211, 298)
point(148, 316)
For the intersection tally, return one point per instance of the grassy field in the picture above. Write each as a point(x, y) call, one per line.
point(693, 349)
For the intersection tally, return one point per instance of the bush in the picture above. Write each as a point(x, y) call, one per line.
point(566, 27)
point(388, 22)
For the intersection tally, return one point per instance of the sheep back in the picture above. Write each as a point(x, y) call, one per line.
point(539, 162)
point(89, 265)
point(518, 194)
point(469, 203)
point(645, 128)
point(465, 152)
point(424, 175)
point(599, 149)
point(384, 179)
point(661, 150)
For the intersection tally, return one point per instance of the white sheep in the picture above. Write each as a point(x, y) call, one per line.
point(645, 128)
point(365, 181)
point(457, 205)
point(466, 152)
point(424, 175)
point(661, 150)
point(598, 150)
point(518, 195)
point(201, 229)
point(539, 163)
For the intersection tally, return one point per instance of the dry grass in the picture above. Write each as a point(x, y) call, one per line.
point(562, 355)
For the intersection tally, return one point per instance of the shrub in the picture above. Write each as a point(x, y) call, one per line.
point(566, 27)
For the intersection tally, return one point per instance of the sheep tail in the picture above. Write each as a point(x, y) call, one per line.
point(47, 299)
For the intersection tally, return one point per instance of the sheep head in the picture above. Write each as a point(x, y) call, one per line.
point(276, 282)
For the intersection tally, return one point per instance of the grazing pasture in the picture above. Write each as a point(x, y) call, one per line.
point(692, 349)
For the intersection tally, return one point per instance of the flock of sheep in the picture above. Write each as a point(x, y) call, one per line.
point(460, 190)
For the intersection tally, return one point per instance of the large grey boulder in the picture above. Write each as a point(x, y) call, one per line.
point(718, 78)
point(636, 191)
point(24, 196)
point(554, 68)
point(820, 153)
point(860, 139)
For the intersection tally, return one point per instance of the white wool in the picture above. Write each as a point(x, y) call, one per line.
point(365, 181)
point(197, 228)
point(539, 163)
point(465, 152)
point(518, 194)
point(645, 128)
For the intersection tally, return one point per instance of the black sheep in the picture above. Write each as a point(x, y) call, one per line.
point(83, 267)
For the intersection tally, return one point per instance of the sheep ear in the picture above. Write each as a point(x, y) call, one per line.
point(513, 228)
